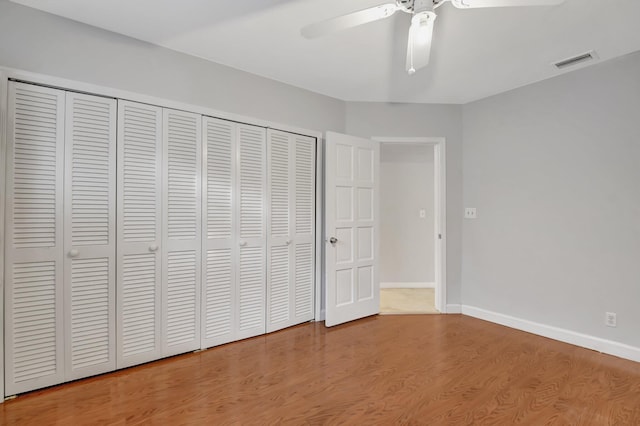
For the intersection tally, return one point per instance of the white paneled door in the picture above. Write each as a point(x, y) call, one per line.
point(181, 243)
point(139, 292)
point(351, 227)
point(34, 340)
point(290, 229)
point(89, 235)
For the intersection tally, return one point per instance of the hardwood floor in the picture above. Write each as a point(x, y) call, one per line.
point(387, 370)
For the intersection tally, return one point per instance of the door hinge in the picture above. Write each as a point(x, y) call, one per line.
point(439, 236)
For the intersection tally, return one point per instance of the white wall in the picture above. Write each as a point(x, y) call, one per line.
point(35, 41)
point(407, 252)
point(554, 171)
point(368, 119)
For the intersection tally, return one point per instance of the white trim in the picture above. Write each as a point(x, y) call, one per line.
point(454, 309)
point(407, 285)
point(440, 203)
point(568, 336)
point(4, 99)
point(413, 140)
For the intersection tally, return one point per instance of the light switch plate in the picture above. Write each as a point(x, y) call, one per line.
point(470, 213)
point(422, 213)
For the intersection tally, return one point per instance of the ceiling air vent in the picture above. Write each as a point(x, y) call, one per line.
point(579, 59)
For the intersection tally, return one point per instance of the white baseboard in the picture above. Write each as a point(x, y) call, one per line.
point(408, 285)
point(454, 309)
point(584, 340)
point(323, 315)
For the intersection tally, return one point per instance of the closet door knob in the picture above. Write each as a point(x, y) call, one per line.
point(242, 243)
point(73, 253)
point(288, 242)
point(333, 240)
point(153, 247)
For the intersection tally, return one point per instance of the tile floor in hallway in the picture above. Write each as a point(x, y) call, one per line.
point(407, 301)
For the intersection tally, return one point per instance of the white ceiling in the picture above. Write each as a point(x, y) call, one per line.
point(476, 53)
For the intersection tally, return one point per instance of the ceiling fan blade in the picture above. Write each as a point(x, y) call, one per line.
point(472, 4)
point(420, 40)
point(348, 21)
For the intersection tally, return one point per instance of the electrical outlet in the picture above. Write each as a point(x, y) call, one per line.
point(470, 213)
point(610, 319)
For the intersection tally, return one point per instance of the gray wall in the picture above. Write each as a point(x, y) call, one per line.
point(369, 119)
point(35, 41)
point(407, 241)
point(554, 171)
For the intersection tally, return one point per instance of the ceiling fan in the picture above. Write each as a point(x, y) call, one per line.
point(422, 21)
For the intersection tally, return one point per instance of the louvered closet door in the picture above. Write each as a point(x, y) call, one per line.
point(304, 207)
point(251, 257)
point(139, 194)
point(291, 256)
point(34, 351)
point(89, 235)
point(181, 254)
point(219, 296)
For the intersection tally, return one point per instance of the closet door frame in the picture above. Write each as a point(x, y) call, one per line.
point(4, 113)
point(319, 231)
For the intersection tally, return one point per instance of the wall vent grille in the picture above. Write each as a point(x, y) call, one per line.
point(575, 60)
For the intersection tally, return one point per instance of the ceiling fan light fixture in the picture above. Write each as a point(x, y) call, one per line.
point(420, 24)
point(420, 38)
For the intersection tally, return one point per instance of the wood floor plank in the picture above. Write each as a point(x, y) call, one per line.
point(387, 370)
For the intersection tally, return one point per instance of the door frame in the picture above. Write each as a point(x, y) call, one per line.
point(319, 313)
point(4, 112)
point(440, 208)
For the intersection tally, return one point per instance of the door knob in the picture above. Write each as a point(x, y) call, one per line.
point(288, 242)
point(333, 240)
point(242, 243)
point(153, 247)
point(73, 253)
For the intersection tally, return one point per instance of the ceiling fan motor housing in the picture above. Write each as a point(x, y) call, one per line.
point(422, 6)
point(416, 6)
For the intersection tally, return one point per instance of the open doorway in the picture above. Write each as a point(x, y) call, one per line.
point(410, 226)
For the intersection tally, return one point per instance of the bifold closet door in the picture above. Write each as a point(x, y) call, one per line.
point(219, 295)
point(250, 212)
point(234, 254)
point(89, 236)
point(139, 192)
point(34, 341)
point(181, 252)
point(291, 218)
